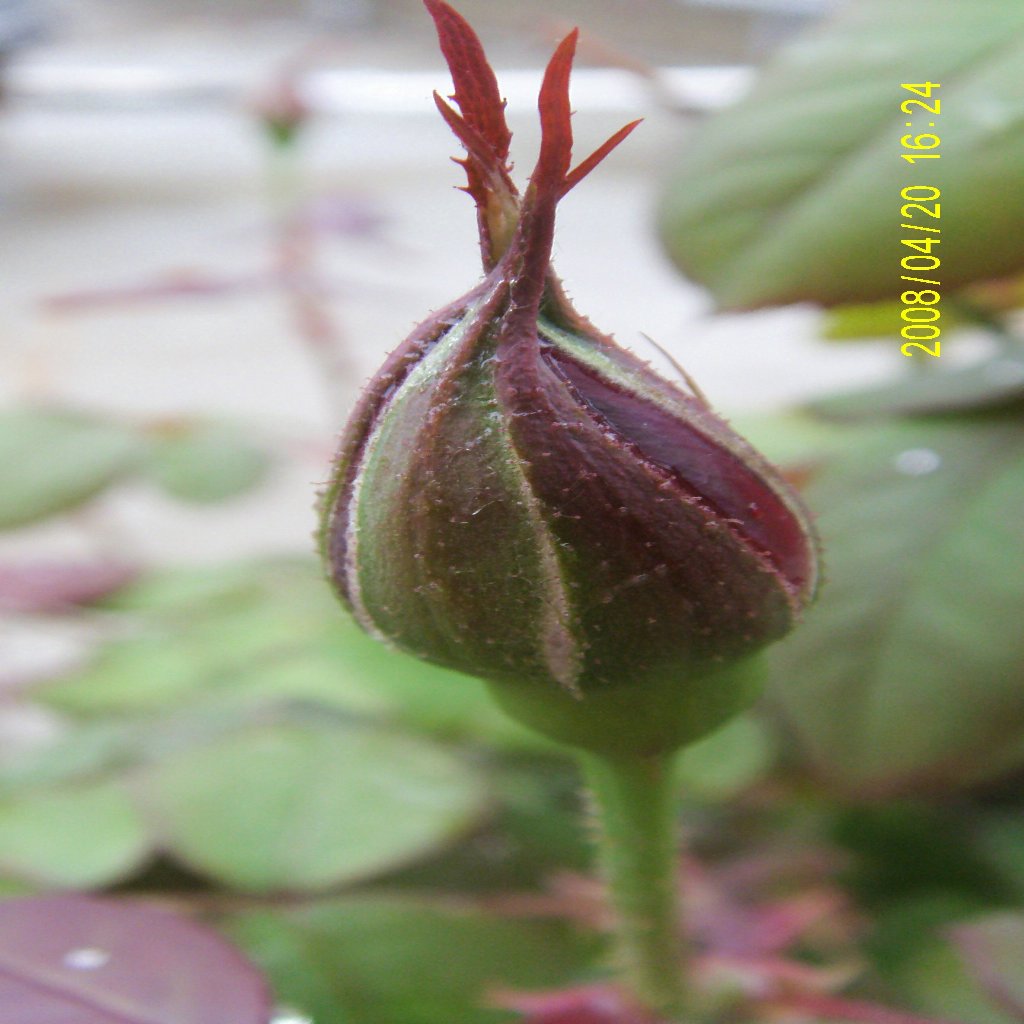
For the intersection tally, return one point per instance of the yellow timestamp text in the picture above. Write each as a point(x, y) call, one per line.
point(921, 213)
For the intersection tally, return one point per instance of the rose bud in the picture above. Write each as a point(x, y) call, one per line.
point(519, 498)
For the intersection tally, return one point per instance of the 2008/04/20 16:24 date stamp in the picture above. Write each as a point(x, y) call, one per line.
point(920, 308)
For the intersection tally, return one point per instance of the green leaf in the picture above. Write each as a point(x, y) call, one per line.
point(189, 591)
point(80, 751)
point(902, 927)
point(794, 194)
point(877, 321)
point(203, 632)
point(207, 462)
point(977, 978)
point(993, 950)
point(244, 658)
point(378, 961)
point(726, 762)
point(426, 697)
point(991, 384)
point(792, 438)
point(1001, 842)
point(535, 833)
point(905, 849)
point(863, 320)
point(51, 462)
point(77, 836)
point(10, 889)
point(938, 983)
point(906, 674)
point(270, 631)
point(291, 807)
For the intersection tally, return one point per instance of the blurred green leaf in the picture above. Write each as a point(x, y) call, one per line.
point(794, 194)
point(52, 462)
point(83, 751)
point(792, 437)
point(1001, 841)
point(248, 657)
point(726, 762)
point(182, 592)
point(906, 673)
point(901, 928)
point(77, 836)
point(263, 632)
point(993, 950)
point(938, 983)
point(430, 698)
point(945, 979)
point(11, 889)
point(906, 849)
point(987, 385)
point(864, 320)
point(378, 961)
point(291, 807)
point(207, 461)
point(203, 632)
point(543, 818)
point(535, 833)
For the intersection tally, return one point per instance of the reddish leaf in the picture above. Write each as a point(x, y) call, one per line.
point(56, 586)
point(730, 918)
point(343, 215)
point(835, 1009)
point(172, 285)
point(79, 960)
point(591, 1004)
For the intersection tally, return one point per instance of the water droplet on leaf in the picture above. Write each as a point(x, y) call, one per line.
point(917, 461)
point(286, 1015)
point(88, 958)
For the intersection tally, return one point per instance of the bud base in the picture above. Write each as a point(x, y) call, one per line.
point(657, 717)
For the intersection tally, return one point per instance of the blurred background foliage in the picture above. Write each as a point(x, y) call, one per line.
point(187, 716)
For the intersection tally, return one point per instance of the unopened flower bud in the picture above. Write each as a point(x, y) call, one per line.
point(520, 499)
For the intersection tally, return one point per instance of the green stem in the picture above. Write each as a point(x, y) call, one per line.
point(634, 799)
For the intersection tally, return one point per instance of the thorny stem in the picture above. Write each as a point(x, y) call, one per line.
point(634, 804)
